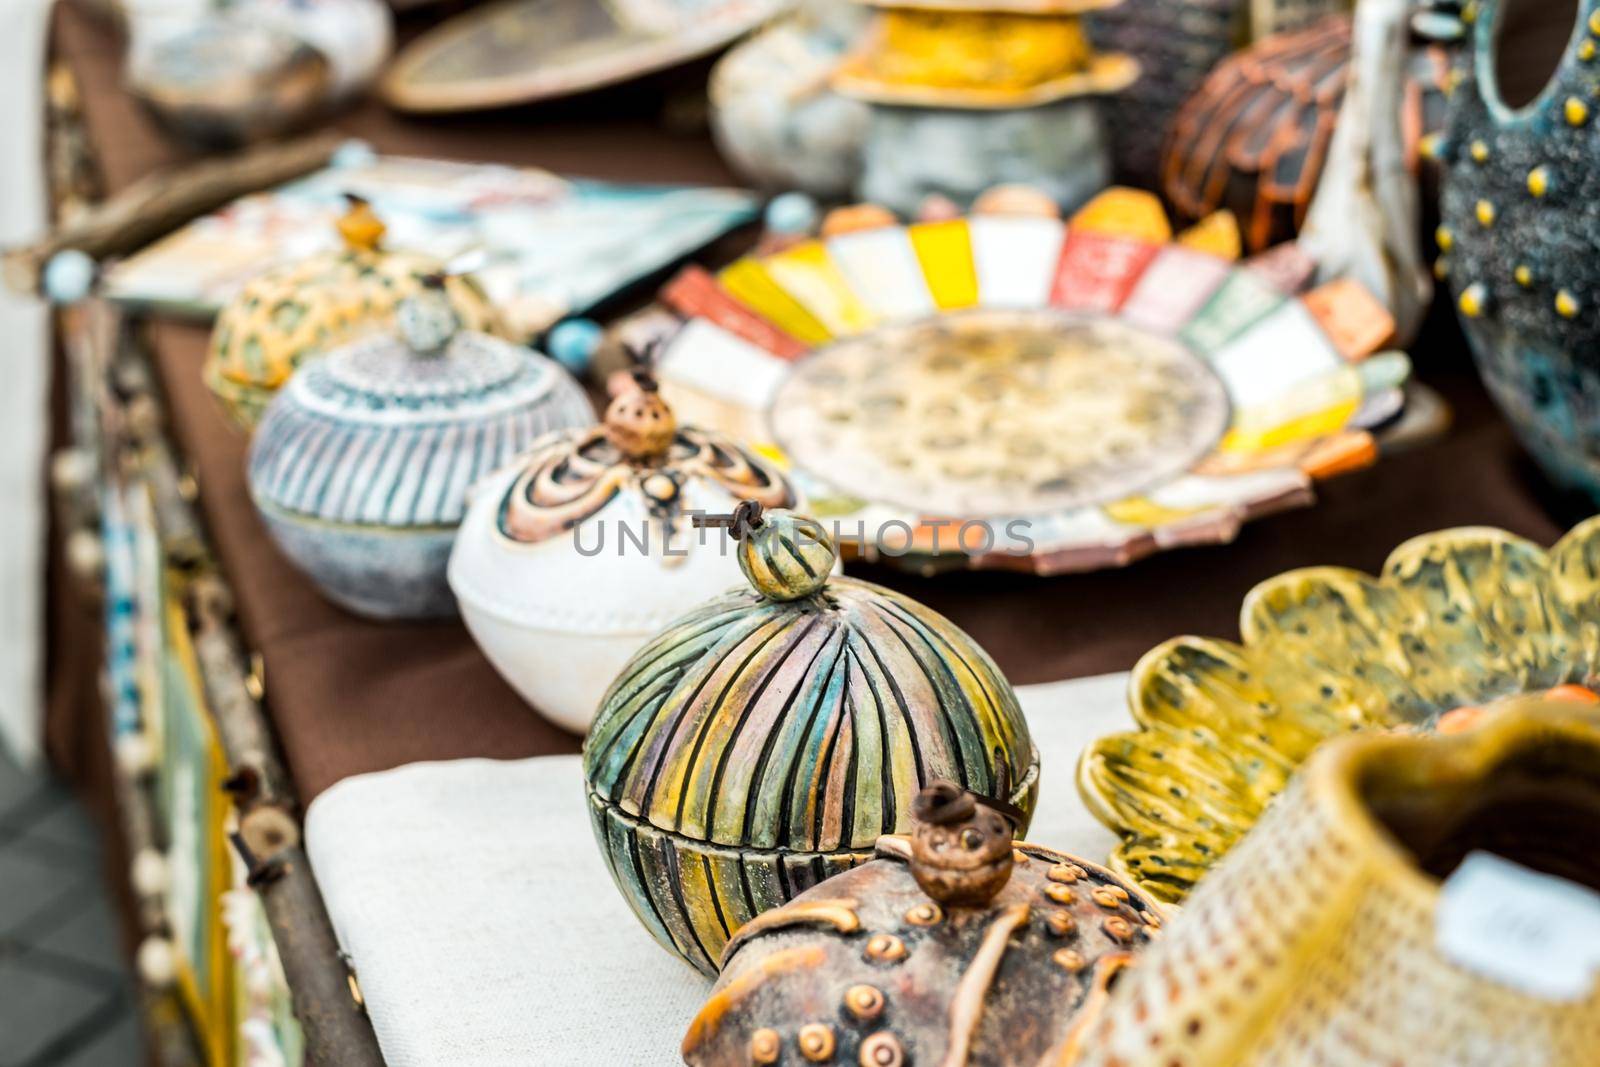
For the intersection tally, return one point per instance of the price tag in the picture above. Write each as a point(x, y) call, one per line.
point(1530, 931)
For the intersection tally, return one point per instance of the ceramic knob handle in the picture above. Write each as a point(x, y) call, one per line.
point(639, 423)
point(427, 320)
point(960, 846)
point(785, 556)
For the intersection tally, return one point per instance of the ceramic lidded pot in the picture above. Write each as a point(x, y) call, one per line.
point(1389, 909)
point(573, 557)
point(953, 945)
point(286, 315)
point(766, 739)
point(361, 465)
point(1517, 239)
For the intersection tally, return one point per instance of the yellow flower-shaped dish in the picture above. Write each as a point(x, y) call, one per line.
point(1458, 617)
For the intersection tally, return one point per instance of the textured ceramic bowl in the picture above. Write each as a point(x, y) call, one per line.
point(1405, 901)
point(361, 466)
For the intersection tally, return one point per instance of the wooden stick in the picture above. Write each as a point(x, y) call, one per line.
point(159, 203)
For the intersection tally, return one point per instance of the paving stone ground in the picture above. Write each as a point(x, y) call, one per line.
point(66, 997)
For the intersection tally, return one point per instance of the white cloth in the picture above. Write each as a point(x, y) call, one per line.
point(25, 401)
point(485, 930)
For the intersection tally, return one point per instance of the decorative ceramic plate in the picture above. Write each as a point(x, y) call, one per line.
point(519, 51)
point(1011, 391)
point(1458, 618)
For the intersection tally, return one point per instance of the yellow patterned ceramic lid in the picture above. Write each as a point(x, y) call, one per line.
point(1459, 617)
point(972, 55)
point(279, 318)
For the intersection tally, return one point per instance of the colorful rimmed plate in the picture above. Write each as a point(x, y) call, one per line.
point(1458, 619)
point(1013, 391)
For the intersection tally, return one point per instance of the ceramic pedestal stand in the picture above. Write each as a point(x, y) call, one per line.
point(914, 152)
point(969, 94)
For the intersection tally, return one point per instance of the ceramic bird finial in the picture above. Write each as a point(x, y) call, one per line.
point(960, 846)
point(360, 226)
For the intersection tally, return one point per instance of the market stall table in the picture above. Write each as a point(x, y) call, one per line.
point(348, 697)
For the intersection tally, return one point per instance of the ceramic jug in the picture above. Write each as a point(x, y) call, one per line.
point(1518, 239)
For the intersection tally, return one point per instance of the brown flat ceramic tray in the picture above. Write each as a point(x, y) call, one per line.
point(520, 51)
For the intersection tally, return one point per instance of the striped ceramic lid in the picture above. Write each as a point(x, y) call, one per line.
point(378, 434)
point(804, 725)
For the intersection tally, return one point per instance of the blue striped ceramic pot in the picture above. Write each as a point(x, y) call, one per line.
point(361, 465)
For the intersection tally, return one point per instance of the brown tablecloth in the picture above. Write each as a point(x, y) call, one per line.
point(349, 696)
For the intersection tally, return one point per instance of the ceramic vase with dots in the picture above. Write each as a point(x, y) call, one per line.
point(1518, 238)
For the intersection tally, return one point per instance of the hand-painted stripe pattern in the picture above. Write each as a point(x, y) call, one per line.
point(403, 457)
point(756, 747)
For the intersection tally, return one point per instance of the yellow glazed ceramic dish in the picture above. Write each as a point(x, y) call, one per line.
point(937, 57)
point(279, 318)
point(1319, 941)
point(1459, 617)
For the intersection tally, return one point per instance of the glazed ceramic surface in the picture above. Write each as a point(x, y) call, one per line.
point(981, 55)
point(952, 945)
point(775, 116)
point(1006, 390)
point(1457, 618)
point(228, 75)
point(1175, 43)
point(362, 464)
point(1322, 939)
point(1252, 139)
point(912, 153)
point(570, 559)
point(519, 51)
point(758, 746)
point(970, 95)
point(1517, 245)
point(284, 316)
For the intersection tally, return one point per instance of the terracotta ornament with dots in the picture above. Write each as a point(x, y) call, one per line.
point(955, 945)
point(574, 555)
point(765, 740)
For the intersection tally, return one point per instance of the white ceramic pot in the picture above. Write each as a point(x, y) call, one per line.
point(584, 548)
